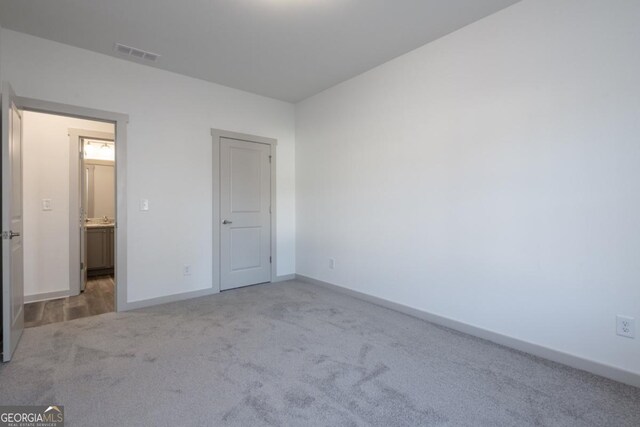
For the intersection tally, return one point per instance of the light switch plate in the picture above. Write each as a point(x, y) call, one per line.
point(144, 204)
point(46, 205)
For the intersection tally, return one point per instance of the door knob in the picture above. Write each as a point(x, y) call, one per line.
point(226, 221)
point(10, 234)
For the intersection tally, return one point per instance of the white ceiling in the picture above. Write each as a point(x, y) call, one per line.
point(285, 49)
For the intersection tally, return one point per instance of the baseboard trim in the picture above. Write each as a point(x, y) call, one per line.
point(558, 356)
point(284, 278)
point(167, 299)
point(47, 296)
point(185, 296)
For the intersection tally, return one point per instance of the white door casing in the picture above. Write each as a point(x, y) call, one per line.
point(12, 227)
point(121, 121)
point(245, 203)
point(84, 182)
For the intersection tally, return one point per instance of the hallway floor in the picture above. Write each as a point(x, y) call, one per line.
point(98, 298)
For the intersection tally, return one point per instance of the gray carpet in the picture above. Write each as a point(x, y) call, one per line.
point(295, 354)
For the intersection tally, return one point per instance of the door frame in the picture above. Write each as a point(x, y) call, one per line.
point(75, 140)
point(120, 121)
point(217, 135)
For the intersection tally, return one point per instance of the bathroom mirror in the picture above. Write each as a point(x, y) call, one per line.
point(100, 188)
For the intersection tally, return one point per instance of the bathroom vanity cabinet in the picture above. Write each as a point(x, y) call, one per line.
point(100, 250)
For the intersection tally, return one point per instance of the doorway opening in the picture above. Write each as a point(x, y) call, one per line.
point(69, 199)
point(13, 269)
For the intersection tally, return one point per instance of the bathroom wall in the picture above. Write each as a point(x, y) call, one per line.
point(46, 176)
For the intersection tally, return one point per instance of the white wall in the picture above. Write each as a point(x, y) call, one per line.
point(169, 152)
point(46, 176)
point(490, 177)
point(1, 59)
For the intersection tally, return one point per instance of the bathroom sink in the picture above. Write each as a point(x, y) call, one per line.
point(99, 224)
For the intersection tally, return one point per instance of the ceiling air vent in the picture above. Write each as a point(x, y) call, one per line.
point(136, 53)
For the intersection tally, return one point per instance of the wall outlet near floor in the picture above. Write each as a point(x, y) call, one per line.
point(626, 326)
point(186, 270)
point(332, 263)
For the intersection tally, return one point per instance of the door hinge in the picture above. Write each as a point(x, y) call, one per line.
point(269, 159)
point(269, 260)
point(81, 266)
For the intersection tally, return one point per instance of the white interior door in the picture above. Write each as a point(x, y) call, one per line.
point(245, 198)
point(12, 249)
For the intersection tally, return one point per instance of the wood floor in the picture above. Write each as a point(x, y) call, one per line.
point(97, 298)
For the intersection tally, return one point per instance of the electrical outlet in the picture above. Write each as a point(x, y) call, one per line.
point(186, 270)
point(332, 263)
point(626, 326)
